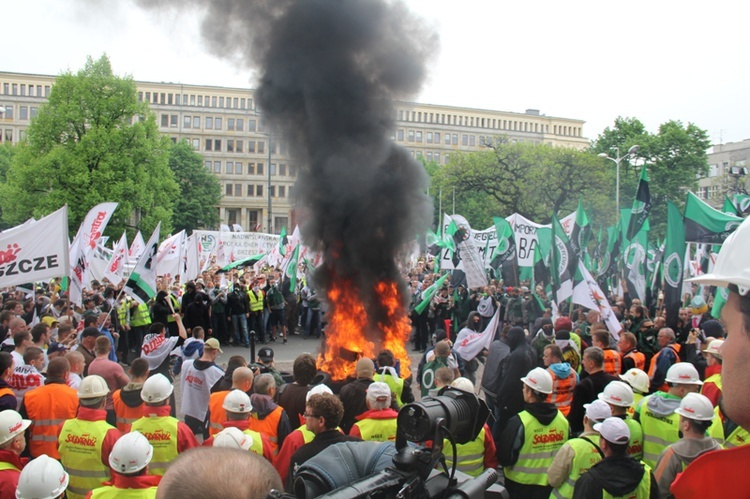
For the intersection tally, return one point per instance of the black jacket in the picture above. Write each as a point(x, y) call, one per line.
point(586, 392)
point(521, 360)
point(492, 377)
point(238, 303)
point(619, 476)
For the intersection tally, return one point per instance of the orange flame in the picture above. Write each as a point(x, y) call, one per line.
point(346, 335)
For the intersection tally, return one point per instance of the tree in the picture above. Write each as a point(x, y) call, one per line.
point(200, 192)
point(93, 142)
point(7, 151)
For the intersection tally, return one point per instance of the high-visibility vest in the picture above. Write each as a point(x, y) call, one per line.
point(377, 430)
point(141, 316)
point(639, 359)
point(4, 466)
point(540, 445)
point(175, 306)
point(122, 314)
point(652, 368)
point(307, 435)
point(715, 379)
point(256, 302)
point(112, 492)
point(737, 438)
point(161, 432)
point(470, 456)
point(586, 453)
point(268, 426)
point(637, 397)
point(659, 432)
point(641, 492)
point(80, 445)
point(562, 390)
point(257, 446)
point(635, 444)
point(216, 412)
point(125, 414)
point(612, 362)
point(395, 383)
point(49, 406)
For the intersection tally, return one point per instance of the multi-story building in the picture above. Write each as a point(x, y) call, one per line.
point(225, 127)
point(727, 172)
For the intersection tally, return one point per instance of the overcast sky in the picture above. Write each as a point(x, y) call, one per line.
point(589, 60)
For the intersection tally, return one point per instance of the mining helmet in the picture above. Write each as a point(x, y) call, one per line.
point(617, 393)
point(697, 407)
point(683, 373)
point(156, 389)
point(637, 379)
point(92, 386)
point(42, 478)
point(131, 453)
point(11, 425)
point(237, 401)
point(539, 380)
point(233, 438)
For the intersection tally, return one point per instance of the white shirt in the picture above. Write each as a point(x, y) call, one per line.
point(195, 385)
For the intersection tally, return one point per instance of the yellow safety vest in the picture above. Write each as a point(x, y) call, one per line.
point(141, 316)
point(112, 492)
point(256, 302)
point(257, 446)
point(80, 445)
point(715, 379)
point(306, 434)
point(586, 454)
point(637, 397)
point(175, 306)
point(737, 438)
point(377, 430)
point(396, 385)
point(540, 445)
point(641, 492)
point(658, 432)
point(7, 466)
point(470, 455)
point(161, 432)
point(635, 445)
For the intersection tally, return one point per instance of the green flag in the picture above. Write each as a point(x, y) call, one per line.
point(722, 295)
point(729, 207)
point(641, 205)
point(506, 243)
point(741, 203)
point(429, 293)
point(283, 241)
point(704, 224)
point(291, 269)
point(562, 268)
point(245, 262)
point(672, 263)
point(580, 230)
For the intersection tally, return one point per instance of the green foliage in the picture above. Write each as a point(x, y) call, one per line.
point(7, 151)
point(200, 191)
point(93, 142)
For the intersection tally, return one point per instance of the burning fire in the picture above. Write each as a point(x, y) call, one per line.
point(346, 335)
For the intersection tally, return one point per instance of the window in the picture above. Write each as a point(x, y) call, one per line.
point(240, 124)
point(213, 101)
point(400, 136)
point(419, 136)
point(464, 140)
point(173, 121)
point(221, 101)
point(217, 166)
point(229, 190)
point(235, 103)
point(429, 137)
point(196, 144)
point(238, 190)
point(250, 190)
point(251, 125)
point(250, 146)
point(230, 123)
point(230, 145)
point(186, 121)
point(238, 145)
point(273, 168)
point(242, 103)
point(260, 168)
point(200, 100)
point(472, 140)
point(437, 137)
point(196, 121)
point(8, 135)
point(429, 156)
point(251, 168)
point(217, 124)
point(411, 135)
point(279, 222)
point(282, 191)
point(209, 144)
point(192, 100)
point(15, 89)
point(447, 139)
point(259, 190)
point(23, 113)
point(46, 90)
point(6, 88)
point(261, 146)
point(209, 123)
point(238, 168)
point(455, 139)
point(272, 190)
point(282, 169)
point(217, 144)
point(165, 120)
point(208, 164)
point(230, 167)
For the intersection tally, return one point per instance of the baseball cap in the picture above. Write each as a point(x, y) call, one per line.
point(265, 354)
point(213, 344)
point(613, 430)
point(378, 391)
point(49, 320)
point(598, 410)
point(56, 347)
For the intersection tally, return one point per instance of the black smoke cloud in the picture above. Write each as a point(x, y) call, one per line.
point(329, 71)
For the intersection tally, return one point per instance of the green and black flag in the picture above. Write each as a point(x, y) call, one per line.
point(641, 206)
point(672, 263)
point(579, 234)
point(283, 241)
point(454, 235)
point(505, 251)
point(704, 224)
point(561, 267)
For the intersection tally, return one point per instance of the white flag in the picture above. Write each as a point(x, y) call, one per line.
point(137, 248)
point(192, 255)
point(118, 260)
point(471, 260)
point(89, 234)
point(169, 257)
point(35, 252)
point(224, 228)
point(470, 343)
point(237, 228)
point(141, 284)
point(589, 294)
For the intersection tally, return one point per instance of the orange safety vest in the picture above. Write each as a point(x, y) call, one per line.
point(675, 347)
point(268, 426)
point(125, 414)
point(6, 391)
point(612, 362)
point(49, 407)
point(562, 390)
point(638, 358)
point(216, 412)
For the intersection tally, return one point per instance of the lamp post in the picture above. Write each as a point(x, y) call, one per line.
point(617, 159)
point(268, 187)
point(738, 172)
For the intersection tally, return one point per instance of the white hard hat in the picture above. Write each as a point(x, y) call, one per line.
point(637, 379)
point(11, 425)
point(683, 373)
point(617, 393)
point(315, 390)
point(714, 347)
point(131, 453)
point(696, 406)
point(464, 384)
point(233, 438)
point(237, 401)
point(539, 380)
point(156, 389)
point(42, 478)
point(93, 386)
point(730, 266)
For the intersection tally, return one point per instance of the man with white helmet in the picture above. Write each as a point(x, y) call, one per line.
point(296, 438)
point(656, 413)
point(231, 438)
point(238, 408)
point(578, 454)
point(242, 379)
point(129, 463)
point(725, 471)
point(531, 438)
point(42, 478)
point(12, 445)
point(619, 396)
point(167, 435)
point(712, 383)
point(696, 416)
point(86, 441)
point(639, 382)
point(378, 423)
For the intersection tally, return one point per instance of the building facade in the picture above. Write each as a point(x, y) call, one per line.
point(224, 125)
point(728, 166)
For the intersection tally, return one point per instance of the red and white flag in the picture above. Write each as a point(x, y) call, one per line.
point(117, 262)
point(89, 234)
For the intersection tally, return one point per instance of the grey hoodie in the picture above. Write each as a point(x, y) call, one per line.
point(677, 456)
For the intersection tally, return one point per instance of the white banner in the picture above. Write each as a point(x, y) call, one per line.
point(137, 248)
point(471, 259)
point(35, 252)
point(589, 294)
point(236, 245)
point(117, 262)
point(169, 258)
point(469, 343)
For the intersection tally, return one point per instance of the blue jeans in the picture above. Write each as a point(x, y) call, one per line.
point(312, 322)
point(239, 329)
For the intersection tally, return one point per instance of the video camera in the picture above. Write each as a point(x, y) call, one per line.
point(354, 470)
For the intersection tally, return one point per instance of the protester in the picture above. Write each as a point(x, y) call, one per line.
point(589, 388)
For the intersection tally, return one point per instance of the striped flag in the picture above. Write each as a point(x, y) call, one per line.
point(141, 284)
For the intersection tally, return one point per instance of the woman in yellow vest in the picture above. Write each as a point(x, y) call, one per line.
point(129, 463)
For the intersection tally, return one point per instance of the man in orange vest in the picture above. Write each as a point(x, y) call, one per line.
point(242, 379)
point(631, 357)
point(663, 360)
point(49, 406)
point(237, 407)
point(127, 401)
point(564, 379)
point(268, 417)
point(612, 359)
point(378, 423)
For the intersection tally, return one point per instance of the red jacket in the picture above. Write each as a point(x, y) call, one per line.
point(9, 478)
point(130, 482)
point(292, 442)
point(710, 389)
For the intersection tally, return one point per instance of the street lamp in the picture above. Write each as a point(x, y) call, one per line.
point(617, 159)
point(268, 187)
point(737, 172)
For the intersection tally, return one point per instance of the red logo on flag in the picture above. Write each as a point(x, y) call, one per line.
point(9, 255)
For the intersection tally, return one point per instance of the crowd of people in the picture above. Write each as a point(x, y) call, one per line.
point(89, 409)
